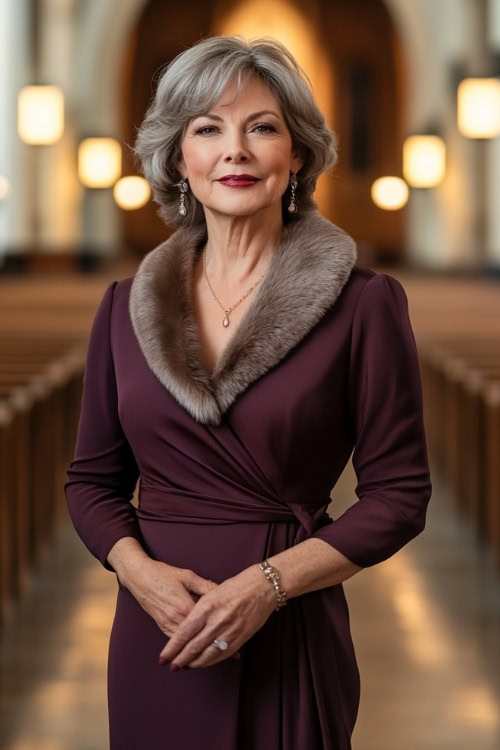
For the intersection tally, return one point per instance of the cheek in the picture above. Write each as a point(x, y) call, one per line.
point(198, 160)
point(279, 175)
point(277, 162)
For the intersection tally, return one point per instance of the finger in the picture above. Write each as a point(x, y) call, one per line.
point(206, 658)
point(192, 651)
point(203, 652)
point(189, 628)
point(198, 663)
point(211, 655)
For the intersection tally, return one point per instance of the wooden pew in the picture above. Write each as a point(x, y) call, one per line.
point(44, 394)
point(491, 396)
point(461, 379)
point(8, 539)
point(44, 328)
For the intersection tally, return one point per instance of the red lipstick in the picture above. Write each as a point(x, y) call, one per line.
point(238, 180)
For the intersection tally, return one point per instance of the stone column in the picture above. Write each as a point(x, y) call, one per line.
point(493, 159)
point(15, 156)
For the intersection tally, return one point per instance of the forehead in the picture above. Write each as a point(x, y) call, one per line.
point(253, 95)
point(252, 86)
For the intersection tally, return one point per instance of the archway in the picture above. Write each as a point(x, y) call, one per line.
point(108, 32)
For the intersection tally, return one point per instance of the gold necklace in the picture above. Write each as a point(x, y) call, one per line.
point(225, 321)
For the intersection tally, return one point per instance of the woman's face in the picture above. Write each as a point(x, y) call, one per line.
point(238, 137)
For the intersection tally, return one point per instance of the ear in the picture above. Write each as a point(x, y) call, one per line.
point(181, 167)
point(297, 162)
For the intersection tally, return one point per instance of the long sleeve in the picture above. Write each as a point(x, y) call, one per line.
point(386, 415)
point(103, 473)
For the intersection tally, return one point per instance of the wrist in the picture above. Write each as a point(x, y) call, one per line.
point(128, 559)
point(274, 578)
point(262, 586)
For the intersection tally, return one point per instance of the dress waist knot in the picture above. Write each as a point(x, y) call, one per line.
point(173, 505)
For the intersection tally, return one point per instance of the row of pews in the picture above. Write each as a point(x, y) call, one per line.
point(461, 384)
point(44, 327)
point(40, 393)
point(43, 340)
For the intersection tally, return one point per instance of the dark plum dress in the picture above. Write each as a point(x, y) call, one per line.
point(236, 466)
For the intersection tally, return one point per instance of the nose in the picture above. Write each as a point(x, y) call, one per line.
point(236, 147)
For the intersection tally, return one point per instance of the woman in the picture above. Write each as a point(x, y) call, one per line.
point(234, 374)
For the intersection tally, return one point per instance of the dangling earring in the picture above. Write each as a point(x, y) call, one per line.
point(292, 206)
point(183, 187)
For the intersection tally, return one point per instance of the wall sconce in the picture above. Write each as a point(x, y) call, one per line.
point(99, 162)
point(424, 160)
point(131, 192)
point(40, 114)
point(478, 107)
point(390, 193)
point(5, 187)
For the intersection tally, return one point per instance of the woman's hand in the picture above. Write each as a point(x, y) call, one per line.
point(232, 611)
point(165, 592)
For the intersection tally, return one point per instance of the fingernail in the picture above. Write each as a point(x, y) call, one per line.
point(164, 661)
point(174, 667)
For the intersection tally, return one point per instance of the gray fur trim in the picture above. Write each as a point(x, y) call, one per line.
point(306, 274)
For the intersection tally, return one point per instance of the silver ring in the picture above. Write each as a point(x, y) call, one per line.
point(221, 644)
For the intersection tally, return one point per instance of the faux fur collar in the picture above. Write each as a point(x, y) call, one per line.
point(306, 274)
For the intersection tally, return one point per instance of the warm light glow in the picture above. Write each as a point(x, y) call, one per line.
point(390, 193)
point(5, 187)
point(426, 641)
point(478, 107)
point(298, 31)
point(40, 114)
point(99, 162)
point(131, 192)
point(424, 160)
point(474, 705)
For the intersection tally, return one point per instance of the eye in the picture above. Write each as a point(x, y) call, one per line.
point(206, 127)
point(211, 127)
point(265, 125)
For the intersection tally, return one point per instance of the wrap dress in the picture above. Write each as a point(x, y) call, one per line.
point(238, 465)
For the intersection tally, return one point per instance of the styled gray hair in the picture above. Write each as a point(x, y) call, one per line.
point(191, 84)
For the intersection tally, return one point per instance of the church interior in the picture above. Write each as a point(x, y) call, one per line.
point(412, 89)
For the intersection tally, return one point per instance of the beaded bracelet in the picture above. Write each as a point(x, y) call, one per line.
point(273, 576)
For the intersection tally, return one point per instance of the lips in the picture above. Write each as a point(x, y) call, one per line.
point(239, 180)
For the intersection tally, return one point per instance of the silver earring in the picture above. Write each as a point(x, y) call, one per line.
point(183, 187)
point(292, 206)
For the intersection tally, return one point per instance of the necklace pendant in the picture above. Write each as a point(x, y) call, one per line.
point(225, 322)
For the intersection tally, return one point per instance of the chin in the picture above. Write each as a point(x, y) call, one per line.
point(243, 210)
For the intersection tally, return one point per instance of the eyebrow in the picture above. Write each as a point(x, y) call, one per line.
point(250, 117)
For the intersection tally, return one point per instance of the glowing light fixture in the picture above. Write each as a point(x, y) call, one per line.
point(478, 107)
point(40, 114)
point(5, 187)
point(99, 162)
point(131, 192)
point(424, 160)
point(390, 193)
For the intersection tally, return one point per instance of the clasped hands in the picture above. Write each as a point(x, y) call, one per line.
point(232, 611)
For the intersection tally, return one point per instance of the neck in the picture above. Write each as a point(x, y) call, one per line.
point(239, 247)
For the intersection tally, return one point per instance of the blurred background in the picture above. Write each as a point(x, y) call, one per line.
point(412, 88)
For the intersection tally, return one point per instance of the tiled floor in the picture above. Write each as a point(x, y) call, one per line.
point(426, 626)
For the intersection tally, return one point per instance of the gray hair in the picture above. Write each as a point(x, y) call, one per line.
point(191, 84)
